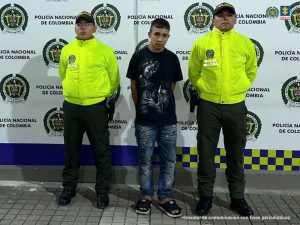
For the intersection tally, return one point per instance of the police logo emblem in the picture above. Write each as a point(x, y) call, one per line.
point(290, 92)
point(13, 18)
point(142, 44)
point(210, 53)
point(293, 24)
point(54, 122)
point(14, 88)
point(72, 59)
point(259, 51)
point(253, 126)
point(52, 50)
point(107, 18)
point(272, 12)
point(198, 18)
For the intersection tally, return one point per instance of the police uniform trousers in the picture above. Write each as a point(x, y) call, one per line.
point(93, 120)
point(231, 118)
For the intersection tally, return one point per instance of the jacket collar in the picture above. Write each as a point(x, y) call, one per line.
point(224, 34)
point(86, 42)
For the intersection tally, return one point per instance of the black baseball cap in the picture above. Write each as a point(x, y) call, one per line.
point(86, 16)
point(224, 5)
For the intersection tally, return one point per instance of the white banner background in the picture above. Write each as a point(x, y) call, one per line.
point(273, 72)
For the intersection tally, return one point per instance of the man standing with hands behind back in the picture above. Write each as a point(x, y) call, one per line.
point(89, 73)
point(154, 71)
point(222, 66)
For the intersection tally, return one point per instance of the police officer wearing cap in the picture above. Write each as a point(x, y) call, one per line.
point(222, 67)
point(89, 73)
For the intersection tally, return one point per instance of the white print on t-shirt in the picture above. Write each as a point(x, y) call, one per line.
point(155, 97)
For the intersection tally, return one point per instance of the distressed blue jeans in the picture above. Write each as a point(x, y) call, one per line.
point(146, 137)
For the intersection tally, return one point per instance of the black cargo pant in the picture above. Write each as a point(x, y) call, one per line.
point(93, 120)
point(231, 118)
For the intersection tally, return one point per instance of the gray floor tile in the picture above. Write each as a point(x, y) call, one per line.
point(54, 223)
point(194, 222)
point(30, 222)
point(94, 219)
point(6, 222)
point(33, 217)
point(17, 222)
point(9, 217)
point(104, 223)
point(39, 207)
point(66, 223)
point(69, 218)
point(130, 220)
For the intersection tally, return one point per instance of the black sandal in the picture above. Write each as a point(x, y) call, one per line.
point(169, 207)
point(143, 206)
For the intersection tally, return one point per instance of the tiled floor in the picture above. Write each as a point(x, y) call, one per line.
point(36, 204)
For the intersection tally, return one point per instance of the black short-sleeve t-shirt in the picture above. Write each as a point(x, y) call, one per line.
point(155, 73)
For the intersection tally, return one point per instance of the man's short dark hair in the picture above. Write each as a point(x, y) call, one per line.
point(160, 23)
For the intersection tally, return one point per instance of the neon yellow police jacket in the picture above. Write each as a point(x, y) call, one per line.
point(89, 71)
point(222, 66)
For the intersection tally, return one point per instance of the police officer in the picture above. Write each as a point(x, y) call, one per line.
point(89, 73)
point(222, 66)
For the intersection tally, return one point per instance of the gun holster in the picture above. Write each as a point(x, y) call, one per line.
point(110, 104)
point(194, 99)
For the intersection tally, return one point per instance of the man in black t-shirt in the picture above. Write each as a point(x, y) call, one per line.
point(154, 71)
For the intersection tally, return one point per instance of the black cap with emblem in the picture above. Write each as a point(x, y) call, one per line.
point(86, 16)
point(224, 5)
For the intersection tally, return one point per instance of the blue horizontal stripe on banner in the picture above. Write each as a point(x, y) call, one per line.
point(54, 154)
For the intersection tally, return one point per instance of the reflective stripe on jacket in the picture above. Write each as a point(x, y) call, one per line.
point(222, 66)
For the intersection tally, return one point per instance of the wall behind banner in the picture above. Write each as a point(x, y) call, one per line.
point(33, 32)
